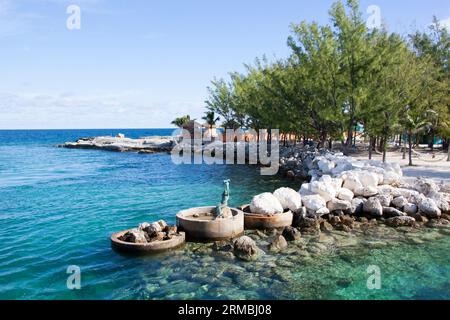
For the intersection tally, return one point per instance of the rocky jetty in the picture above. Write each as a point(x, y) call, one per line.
point(120, 143)
point(341, 184)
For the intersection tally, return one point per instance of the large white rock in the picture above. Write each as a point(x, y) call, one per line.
point(352, 182)
point(410, 208)
point(385, 190)
point(266, 203)
point(325, 190)
point(373, 207)
point(391, 178)
point(385, 199)
point(399, 202)
point(305, 190)
point(322, 211)
point(289, 198)
point(345, 194)
point(429, 208)
point(341, 166)
point(314, 202)
point(337, 204)
point(440, 200)
point(368, 179)
point(366, 192)
point(326, 166)
point(425, 186)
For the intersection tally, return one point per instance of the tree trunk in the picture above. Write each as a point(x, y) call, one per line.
point(370, 148)
point(410, 147)
point(384, 149)
point(404, 148)
point(431, 143)
point(330, 144)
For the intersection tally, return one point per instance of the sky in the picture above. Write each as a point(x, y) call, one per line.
point(141, 63)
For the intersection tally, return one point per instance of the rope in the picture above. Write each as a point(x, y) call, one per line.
point(421, 156)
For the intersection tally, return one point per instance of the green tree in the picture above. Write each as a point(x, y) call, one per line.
point(210, 119)
point(181, 121)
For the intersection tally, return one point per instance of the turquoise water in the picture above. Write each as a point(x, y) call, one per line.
point(59, 206)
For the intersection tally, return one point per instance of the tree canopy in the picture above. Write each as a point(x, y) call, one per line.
point(342, 75)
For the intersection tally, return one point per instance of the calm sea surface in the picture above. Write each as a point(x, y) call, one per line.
point(58, 208)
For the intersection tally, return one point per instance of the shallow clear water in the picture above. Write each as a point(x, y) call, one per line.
point(59, 206)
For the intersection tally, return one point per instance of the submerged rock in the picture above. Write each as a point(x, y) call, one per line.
point(291, 234)
point(245, 248)
point(401, 221)
point(278, 243)
point(326, 226)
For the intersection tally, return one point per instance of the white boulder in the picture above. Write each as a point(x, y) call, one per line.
point(322, 211)
point(337, 204)
point(366, 192)
point(410, 208)
point(314, 202)
point(305, 190)
point(429, 208)
point(368, 179)
point(352, 182)
point(266, 203)
point(345, 194)
point(326, 166)
point(288, 198)
point(325, 190)
point(399, 202)
point(391, 178)
point(373, 207)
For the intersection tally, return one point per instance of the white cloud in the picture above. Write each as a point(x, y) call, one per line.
point(69, 110)
point(445, 23)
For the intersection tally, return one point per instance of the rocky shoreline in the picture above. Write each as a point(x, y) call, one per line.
point(347, 196)
point(122, 144)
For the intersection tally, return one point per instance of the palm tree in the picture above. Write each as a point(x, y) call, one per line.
point(181, 121)
point(415, 123)
point(210, 119)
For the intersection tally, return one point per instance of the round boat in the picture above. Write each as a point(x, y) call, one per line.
point(254, 221)
point(152, 247)
point(199, 224)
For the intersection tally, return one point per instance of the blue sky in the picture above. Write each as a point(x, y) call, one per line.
point(141, 63)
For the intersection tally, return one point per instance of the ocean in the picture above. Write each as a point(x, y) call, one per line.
point(58, 208)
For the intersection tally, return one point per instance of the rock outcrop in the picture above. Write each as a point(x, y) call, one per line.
point(122, 144)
